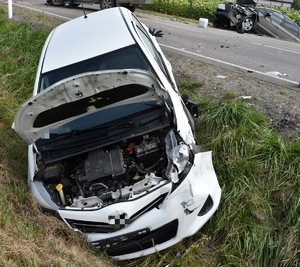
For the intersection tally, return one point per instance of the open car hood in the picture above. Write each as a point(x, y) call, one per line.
point(83, 94)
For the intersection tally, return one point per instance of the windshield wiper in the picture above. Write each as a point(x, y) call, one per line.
point(86, 136)
point(75, 133)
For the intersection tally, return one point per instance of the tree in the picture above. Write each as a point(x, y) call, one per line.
point(296, 4)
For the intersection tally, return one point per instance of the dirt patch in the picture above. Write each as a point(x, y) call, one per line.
point(278, 103)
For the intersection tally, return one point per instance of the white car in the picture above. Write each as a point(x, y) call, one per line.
point(111, 141)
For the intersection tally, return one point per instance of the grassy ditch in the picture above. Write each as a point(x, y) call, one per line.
point(257, 223)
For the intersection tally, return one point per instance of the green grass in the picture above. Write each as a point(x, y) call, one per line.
point(257, 223)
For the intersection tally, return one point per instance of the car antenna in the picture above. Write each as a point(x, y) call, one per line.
point(85, 16)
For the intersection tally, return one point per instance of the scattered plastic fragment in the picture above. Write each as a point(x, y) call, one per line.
point(246, 96)
point(276, 73)
point(221, 77)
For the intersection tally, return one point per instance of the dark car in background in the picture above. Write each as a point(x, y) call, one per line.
point(261, 20)
point(235, 16)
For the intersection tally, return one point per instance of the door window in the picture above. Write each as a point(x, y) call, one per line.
point(291, 27)
point(277, 18)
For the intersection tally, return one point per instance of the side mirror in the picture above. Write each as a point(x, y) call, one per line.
point(268, 15)
point(191, 106)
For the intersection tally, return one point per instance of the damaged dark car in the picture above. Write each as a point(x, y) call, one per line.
point(245, 17)
point(242, 18)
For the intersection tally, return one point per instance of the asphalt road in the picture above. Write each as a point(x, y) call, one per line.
point(262, 57)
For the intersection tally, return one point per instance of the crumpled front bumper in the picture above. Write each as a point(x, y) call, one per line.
point(155, 221)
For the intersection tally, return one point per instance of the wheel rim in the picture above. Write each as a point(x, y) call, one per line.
point(58, 2)
point(107, 4)
point(248, 24)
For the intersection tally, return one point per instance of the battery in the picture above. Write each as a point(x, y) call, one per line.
point(147, 153)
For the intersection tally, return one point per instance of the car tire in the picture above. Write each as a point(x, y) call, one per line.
point(248, 24)
point(217, 23)
point(131, 8)
point(105, 4)
point(56, 2)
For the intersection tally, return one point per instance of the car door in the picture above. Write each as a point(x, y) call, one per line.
point(273, 21)
point(278, 20)
point(292, 28)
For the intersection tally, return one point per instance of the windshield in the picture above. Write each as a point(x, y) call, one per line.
point(130, 57)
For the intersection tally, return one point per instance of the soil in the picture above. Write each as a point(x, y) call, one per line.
point(278, 103)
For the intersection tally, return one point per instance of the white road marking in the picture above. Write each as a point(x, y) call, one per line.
point(40, 11)
point(229, 64)
point(181, 50)
point(278, 48)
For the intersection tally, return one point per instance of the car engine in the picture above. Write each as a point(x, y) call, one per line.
point(109, 174)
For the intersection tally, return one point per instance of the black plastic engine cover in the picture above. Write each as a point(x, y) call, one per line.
point(100, 164)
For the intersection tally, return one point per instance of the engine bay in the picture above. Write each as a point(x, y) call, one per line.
point(107, 175)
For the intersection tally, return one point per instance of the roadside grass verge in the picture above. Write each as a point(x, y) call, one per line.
point(257, 223)
point(28, 237)
point(258, 220)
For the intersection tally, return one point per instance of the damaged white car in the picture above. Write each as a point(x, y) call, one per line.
point(111, 141)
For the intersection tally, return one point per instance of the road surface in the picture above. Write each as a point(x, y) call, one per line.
point(252, 55)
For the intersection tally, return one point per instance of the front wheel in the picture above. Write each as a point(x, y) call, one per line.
point(56, 2)
point(248, 24)
point(105, 4)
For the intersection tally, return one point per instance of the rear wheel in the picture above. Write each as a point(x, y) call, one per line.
point(56, 2)
point(248, 24)
point(105, 4)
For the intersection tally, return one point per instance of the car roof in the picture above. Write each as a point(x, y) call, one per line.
point(87, 42)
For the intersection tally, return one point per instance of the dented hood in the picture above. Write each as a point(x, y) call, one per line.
point(83, 94)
